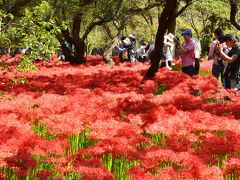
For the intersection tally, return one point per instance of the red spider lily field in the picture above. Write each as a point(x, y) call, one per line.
point(99, 122)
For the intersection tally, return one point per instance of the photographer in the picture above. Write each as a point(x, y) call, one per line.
point(127, 48)
point(218, 66)
point(187, 52)
point(232, 58)
point(168, 51)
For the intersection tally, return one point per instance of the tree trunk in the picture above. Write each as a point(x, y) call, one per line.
point(233, 13)
point(79, 44)
point(64, 38)
point(108, 51)
point(165, 19)
point(172, 27)
point(79, 52)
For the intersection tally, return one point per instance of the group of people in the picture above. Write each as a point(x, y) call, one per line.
point(129, 53)
point(224, 51)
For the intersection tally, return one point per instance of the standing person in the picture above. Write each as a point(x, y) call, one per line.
point(142, 52)
point(218, 66)
point(168, 46)
point(232, 58)
point(122, 48)
point(132, 47)
point(187, 52)
point(197, 52)
point(127, 49)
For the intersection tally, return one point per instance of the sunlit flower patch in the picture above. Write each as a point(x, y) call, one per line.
point(95, 121)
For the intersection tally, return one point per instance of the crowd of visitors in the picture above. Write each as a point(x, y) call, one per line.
point(224, 51)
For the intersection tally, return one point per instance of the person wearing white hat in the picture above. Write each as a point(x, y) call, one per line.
point(168, 49)
point(127, 49)
point(132, 48)
point(142, 52)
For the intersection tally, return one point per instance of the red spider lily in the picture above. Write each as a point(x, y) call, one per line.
point(152, 156)
point(121, 114)
point(134, 119)
point(59, 162)
point(22, 173)
point(233, 166)
point(206, 65)
point(180, 123)
point(170, 78)
point(168, 173)
point(137, 173)
point(5, 57)
point(23, 160)
point(178, 144)
point(211, 173)
point(132, 105)
point(118, 147)
point(93, 162)
point(111, 128)
point(2, 176)
point(93, 173)
point(226, 144)
point(55, 146)
point(43, 174)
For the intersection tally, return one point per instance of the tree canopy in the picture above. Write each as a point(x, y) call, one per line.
point(51, 25)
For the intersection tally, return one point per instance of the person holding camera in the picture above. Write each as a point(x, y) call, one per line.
point(232, 58)
point(218, 66)
point(187, 52)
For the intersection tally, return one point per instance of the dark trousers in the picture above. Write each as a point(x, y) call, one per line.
point(226, 82)
point(197, 65)
point(163, 64)
point(189, 70)
point(217, 71)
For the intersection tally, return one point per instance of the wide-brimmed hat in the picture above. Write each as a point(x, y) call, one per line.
point(132, 36)
point(127, 41)
point(169, 37)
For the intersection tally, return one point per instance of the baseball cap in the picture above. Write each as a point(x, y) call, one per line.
point(187, 31)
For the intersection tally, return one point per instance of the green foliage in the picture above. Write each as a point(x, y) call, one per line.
point(18, 81)
point(79, 141)
point(2, 93)
point(38, 30)
point(161, 89)
point(26, 65)
point(42, 130)
point(203, 17)
point(35, 31)
point(4, 67)
point(119, 166)
point(205, 73)
point(35, 26)
point(157, 139)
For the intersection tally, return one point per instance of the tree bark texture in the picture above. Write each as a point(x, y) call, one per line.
point(233, 13)
point(166, 18)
